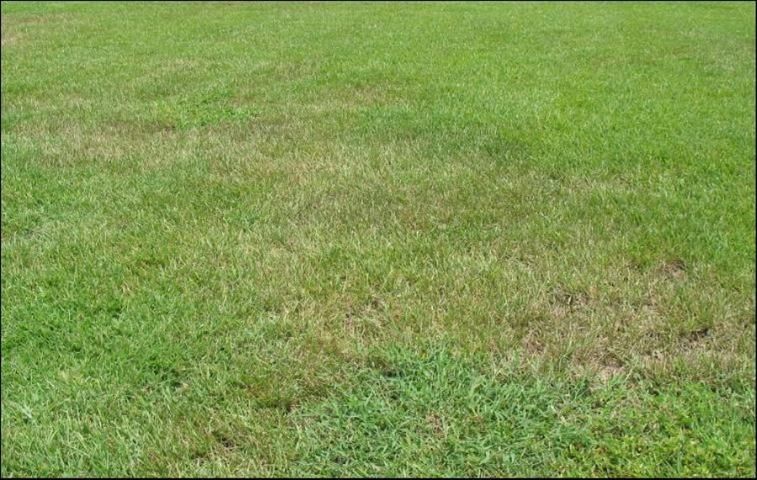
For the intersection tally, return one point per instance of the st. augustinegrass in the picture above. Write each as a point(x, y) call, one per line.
point(401, 239)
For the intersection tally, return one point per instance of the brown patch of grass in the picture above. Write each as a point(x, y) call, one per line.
point(610, 367)
point(696, 338)
point(224, 439)
point(571, 300)
point(532, 344)
point(436, 423)
point(14, 28)
point(8, 39)
point(674, 269)
point(8, 36)
point(360, 319)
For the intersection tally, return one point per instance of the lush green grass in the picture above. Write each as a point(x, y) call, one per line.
point(380, 239)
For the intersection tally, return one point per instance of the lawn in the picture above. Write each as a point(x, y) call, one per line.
point(399, 239)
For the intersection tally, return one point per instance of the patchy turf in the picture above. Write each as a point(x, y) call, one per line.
point(378, 239)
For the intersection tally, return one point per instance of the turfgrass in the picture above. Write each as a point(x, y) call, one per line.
point(378, 239)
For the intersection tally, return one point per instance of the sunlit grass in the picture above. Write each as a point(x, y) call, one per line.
point(378, 239)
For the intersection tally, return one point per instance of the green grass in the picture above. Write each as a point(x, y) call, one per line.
point(378, 239)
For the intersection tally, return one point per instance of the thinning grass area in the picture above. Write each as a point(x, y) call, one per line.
point(398, 239)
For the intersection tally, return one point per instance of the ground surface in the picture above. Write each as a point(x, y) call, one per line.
point(383, 239)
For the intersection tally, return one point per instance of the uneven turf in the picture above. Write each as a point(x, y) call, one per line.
point(378, 239)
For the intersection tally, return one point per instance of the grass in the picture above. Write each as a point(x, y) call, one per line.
point(378, 239)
